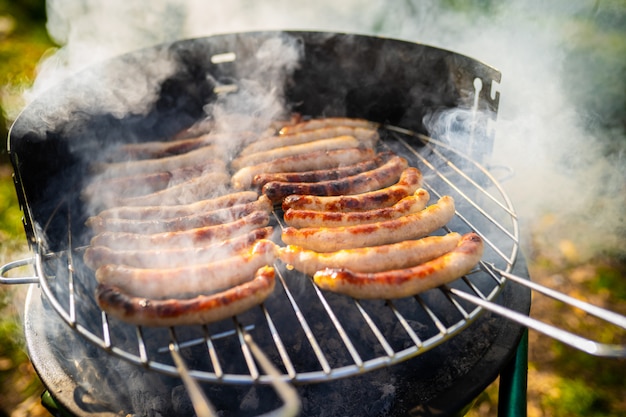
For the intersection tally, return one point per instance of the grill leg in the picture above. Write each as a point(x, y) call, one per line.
point(513, 383)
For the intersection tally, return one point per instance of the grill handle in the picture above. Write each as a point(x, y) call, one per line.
point(4, 269)
point(581, 343)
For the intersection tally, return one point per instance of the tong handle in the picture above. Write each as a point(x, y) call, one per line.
point(574, 340)
point(4, 269)
point(201, 404)
point(601, 313)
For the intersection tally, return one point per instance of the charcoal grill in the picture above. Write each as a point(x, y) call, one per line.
point(425, 355)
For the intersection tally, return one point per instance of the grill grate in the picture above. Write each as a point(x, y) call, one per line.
point(311, 335)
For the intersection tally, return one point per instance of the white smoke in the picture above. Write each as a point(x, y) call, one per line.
point(541, 134)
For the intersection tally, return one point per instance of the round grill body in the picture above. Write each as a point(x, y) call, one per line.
point(427, 355)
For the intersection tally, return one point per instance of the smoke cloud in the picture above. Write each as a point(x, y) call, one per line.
point(551, 109)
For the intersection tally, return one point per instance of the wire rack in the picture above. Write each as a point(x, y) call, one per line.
point(310, 335)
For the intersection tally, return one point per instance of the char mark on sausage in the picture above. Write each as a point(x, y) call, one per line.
point(405, 282)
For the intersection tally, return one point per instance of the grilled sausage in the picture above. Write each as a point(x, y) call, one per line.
point(313, 218)
point(198, 188)
point(409, 182)
point(157, 212)
point(405, 282)
point(190, 279)
point(399, 255)
point(316, 160)
point(334, 173)
point(201, 219)
point(378, 178)
point(200, 309)
point(209, 156)
point(112, 189)
point(365, 136)
point(167, 148)
point(188, 238)
point(411, 226)
point(341, 142)
point(97, 256)
point(327, 122)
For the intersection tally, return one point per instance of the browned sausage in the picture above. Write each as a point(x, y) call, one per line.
point(341, 142)
point(365, 136)
point(405, 282)
point(399, 255)
point(319, 175)
point(411, 226)
point(201, 219)
point(313, 218)
point(305, 162)
point(167, 148)
point(96, 256)
point(188, 238)
point(209, 156)
point(112, 189)
point(157, 212)
point(375, 179)
point(200, 309)
point(327, 122)
point(174, 282)
point(409, 182)
point(198, 188)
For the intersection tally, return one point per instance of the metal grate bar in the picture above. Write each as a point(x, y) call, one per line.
point(319, 354)
point(405, 325)
point(431, 314)
point(141, 346)
point(340, 330)
point(71, 292)
point(245, 349)
point(374, 328)
point(215, 361)
point(106, 331)
point(280, 346)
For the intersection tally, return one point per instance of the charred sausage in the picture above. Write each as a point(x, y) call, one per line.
point(156, 212)
point(375, 179)
point(319, 175)
point(411, 226)
point(185, 238)
point(405, 282)
point(366, 136)
point(199, 188)
point(327, 122)
point(190, 279)
point(341, 142)
point(201, 219)
point(313, 218)
point(96, 256)
point(399, 255)
point(200, 309)
point(209, 156)
point(409, 182)
point(316, 160)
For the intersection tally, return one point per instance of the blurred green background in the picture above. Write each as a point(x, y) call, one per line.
point(562, 381)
